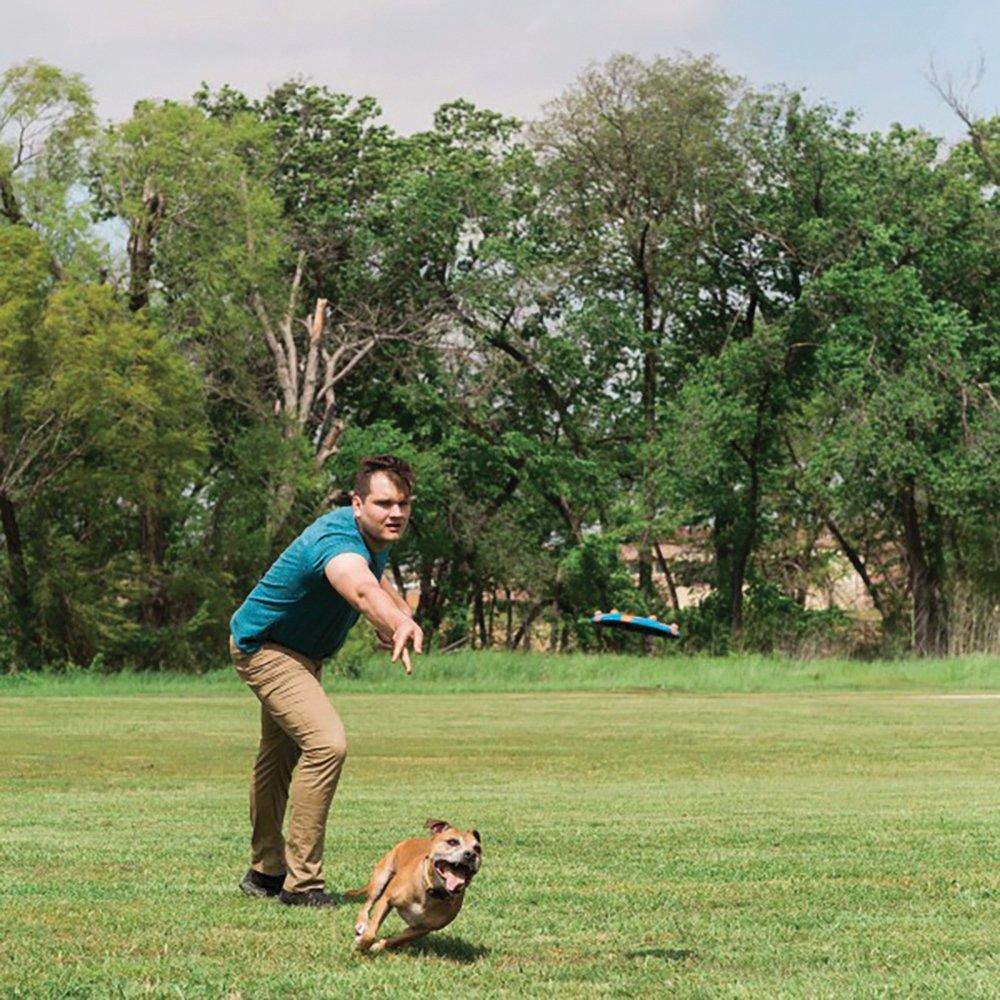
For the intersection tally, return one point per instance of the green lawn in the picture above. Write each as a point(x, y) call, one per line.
point(814, 843)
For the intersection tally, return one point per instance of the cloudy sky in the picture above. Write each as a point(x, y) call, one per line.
point(512, 55)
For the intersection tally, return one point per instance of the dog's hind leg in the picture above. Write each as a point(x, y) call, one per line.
point(400, 939)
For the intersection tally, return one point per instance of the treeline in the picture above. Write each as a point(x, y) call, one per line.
point(671, 305)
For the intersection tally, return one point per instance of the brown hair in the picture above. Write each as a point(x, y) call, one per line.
point(395, 468)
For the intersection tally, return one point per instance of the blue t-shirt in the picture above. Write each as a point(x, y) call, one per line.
point(294, 604)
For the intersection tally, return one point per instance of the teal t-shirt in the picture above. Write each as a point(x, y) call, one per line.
point(294, 604)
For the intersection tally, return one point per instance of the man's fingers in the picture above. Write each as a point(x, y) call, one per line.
point(404, 635)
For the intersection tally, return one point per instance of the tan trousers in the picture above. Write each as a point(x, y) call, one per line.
point(297, 725)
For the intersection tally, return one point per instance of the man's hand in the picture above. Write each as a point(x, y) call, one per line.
point(407, 632)
point(350, 576)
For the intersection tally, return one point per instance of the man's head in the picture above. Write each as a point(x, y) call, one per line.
point(381, 498)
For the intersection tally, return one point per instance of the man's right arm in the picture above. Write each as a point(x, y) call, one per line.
point(350, 576)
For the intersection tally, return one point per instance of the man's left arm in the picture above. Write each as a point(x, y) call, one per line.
point(385, 641)
point(397, 598)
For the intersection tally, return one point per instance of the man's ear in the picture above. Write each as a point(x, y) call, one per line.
point(436, 825)
point(475, 833)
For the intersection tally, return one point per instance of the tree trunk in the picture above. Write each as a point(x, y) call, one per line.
point(28, 644)
point(649, 365)
point(524, 629)
point(9, 207)
point(510, 615)
point(479, 613)
point(741, 558)
point(929, 629)
point(722, 542)
point(140, 247)
point(746, 521)
point(154, 608)
point(650, 371)
point(493, 608)
point(667, 576)
point(430, 608)
point(854, 558)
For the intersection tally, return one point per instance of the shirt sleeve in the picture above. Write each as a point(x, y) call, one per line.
point(335, 542)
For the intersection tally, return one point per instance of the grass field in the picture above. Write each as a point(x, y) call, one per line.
point(816, 841)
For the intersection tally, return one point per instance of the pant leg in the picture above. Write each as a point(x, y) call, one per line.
point(288, 687)
point(272, 775)
point(277, 754)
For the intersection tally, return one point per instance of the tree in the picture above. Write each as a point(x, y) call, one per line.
point(903, 398)
point(85, 392)
point(46, 122)
point(638, 158)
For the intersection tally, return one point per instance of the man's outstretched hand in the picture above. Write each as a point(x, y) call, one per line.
point(407, 632)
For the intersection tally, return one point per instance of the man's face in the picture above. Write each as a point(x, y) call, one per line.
point(384, 513)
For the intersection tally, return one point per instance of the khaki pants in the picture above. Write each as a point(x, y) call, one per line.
point(297, 725)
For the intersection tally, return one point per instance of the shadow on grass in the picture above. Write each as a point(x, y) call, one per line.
point(667, 954)
point(452, 948)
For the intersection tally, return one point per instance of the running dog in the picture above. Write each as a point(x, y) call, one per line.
point(423, 880)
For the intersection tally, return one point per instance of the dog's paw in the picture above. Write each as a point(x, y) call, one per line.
point(376, 947)
point(359, 928)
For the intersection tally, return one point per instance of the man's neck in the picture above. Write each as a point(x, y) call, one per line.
point(374, 545)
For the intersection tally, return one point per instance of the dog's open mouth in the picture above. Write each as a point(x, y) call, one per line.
point(456, 877)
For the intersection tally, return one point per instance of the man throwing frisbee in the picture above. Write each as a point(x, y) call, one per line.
point(297, 616)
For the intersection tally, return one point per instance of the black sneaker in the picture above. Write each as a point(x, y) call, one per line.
point(312, 897)
point(258, 884)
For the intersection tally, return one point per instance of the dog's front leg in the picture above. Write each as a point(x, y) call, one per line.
point(365, 938)
point(381, 877)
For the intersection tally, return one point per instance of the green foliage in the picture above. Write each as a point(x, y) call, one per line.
point(592, 578)
point(47, 124)
point(673, 314)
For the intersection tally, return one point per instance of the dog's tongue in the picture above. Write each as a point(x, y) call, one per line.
point(452, 882)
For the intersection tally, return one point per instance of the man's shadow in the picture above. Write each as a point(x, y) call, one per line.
point(454, 949)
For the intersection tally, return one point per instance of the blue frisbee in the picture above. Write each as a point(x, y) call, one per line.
point(636, 623)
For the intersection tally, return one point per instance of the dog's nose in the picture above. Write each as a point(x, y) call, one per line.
point(468, 856)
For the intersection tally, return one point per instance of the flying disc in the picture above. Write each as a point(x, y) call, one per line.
point(636, 623)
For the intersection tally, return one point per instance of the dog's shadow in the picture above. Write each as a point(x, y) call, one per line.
point(667, 954)
point(454, 949)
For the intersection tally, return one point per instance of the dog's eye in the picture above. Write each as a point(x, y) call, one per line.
point(453, 842)
point(478, 849)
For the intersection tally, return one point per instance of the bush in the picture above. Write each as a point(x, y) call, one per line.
point(772, 623)
point(357, 652)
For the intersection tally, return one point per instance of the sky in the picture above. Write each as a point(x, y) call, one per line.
point(511, 55)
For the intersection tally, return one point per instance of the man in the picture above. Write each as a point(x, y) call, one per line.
point(296, 616)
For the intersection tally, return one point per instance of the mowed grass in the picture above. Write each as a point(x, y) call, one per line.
point(637, 842)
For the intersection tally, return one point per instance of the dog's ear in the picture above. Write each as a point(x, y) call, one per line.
point(475, 833)
point(436, 825)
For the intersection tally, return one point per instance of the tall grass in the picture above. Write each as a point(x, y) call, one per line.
point(519, 672)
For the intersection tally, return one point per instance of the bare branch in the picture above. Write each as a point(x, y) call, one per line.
point(961, 104)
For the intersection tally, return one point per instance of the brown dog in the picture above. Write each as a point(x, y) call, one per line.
point(423, 880)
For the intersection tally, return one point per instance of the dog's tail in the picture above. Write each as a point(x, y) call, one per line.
point(356, 893)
